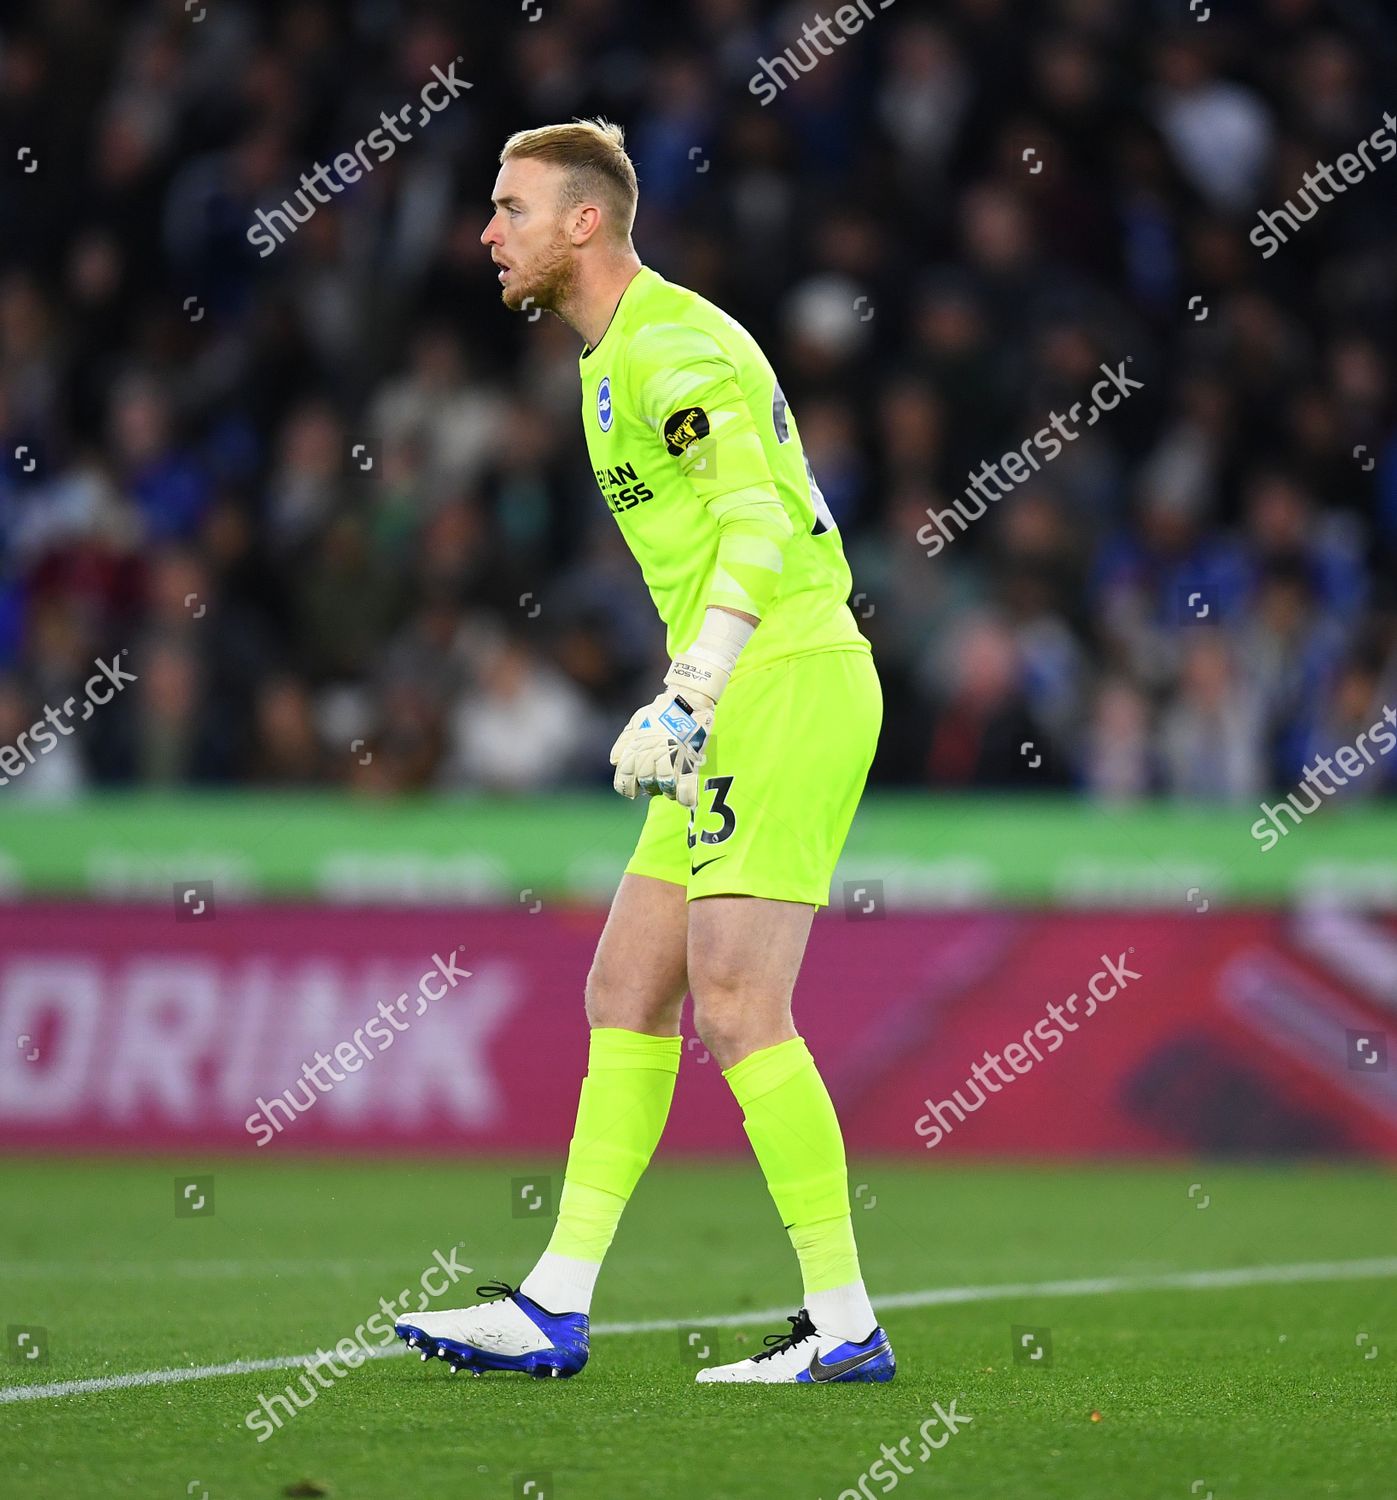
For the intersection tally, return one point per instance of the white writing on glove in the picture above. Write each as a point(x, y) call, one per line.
point(660, 751)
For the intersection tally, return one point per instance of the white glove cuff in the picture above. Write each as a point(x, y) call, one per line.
point(706, 666)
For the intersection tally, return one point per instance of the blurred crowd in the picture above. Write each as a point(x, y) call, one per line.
point(334, 503)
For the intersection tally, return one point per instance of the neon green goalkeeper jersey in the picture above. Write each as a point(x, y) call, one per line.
point(699, 459)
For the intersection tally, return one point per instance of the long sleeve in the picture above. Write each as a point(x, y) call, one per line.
point(693, 403)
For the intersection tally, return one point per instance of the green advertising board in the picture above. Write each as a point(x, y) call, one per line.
point(923, 850)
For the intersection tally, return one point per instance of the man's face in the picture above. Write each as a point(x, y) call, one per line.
point(526, 238)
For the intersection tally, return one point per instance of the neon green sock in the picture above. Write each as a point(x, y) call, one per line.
point(827, 1253)
point(795, 1133)
point(622, 1110)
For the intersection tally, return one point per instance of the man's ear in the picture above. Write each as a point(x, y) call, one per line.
point(585, 223)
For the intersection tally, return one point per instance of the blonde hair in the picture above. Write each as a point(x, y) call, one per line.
point(593, 152)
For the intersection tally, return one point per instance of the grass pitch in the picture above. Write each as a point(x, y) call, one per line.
point(1265, 1390)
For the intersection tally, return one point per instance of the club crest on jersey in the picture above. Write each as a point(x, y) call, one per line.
point(685, 427)
point(604, 411)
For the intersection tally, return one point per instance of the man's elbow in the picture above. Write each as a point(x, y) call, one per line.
point(761, 512)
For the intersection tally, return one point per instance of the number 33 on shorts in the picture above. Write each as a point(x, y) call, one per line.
point(716, 787)
point(768, 823)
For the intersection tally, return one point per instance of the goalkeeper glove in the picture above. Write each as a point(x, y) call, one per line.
point(660, 751)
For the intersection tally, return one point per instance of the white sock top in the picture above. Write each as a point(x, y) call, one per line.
point(561, 1284)
point(844, 1311)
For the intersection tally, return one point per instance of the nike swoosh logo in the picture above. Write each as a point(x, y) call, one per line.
point(840, 1367)
point(694, 869)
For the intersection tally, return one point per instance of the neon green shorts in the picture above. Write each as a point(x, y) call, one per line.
point(784, 770)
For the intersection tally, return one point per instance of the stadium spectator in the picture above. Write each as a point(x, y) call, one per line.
point(371, 483)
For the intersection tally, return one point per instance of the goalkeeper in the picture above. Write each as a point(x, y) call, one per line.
point(753, 756)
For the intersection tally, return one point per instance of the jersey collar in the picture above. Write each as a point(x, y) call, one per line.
point(644, 271)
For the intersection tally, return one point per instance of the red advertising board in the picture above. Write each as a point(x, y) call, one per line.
point(128, 1028)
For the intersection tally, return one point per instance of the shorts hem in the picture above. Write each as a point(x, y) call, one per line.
point(655, 875)
point(739, 886)
point(762, 889)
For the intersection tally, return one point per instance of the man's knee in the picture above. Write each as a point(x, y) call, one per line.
point(612, 1000)
point(734, 1017)
point(604, 1001)
point(720, 1027)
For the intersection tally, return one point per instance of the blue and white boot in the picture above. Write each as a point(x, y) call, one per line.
point(805, 1356)
point(509, 1332)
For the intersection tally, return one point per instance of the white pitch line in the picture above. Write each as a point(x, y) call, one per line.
point(169, 1377)
point(145, 1270)
point(1095, 1286)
